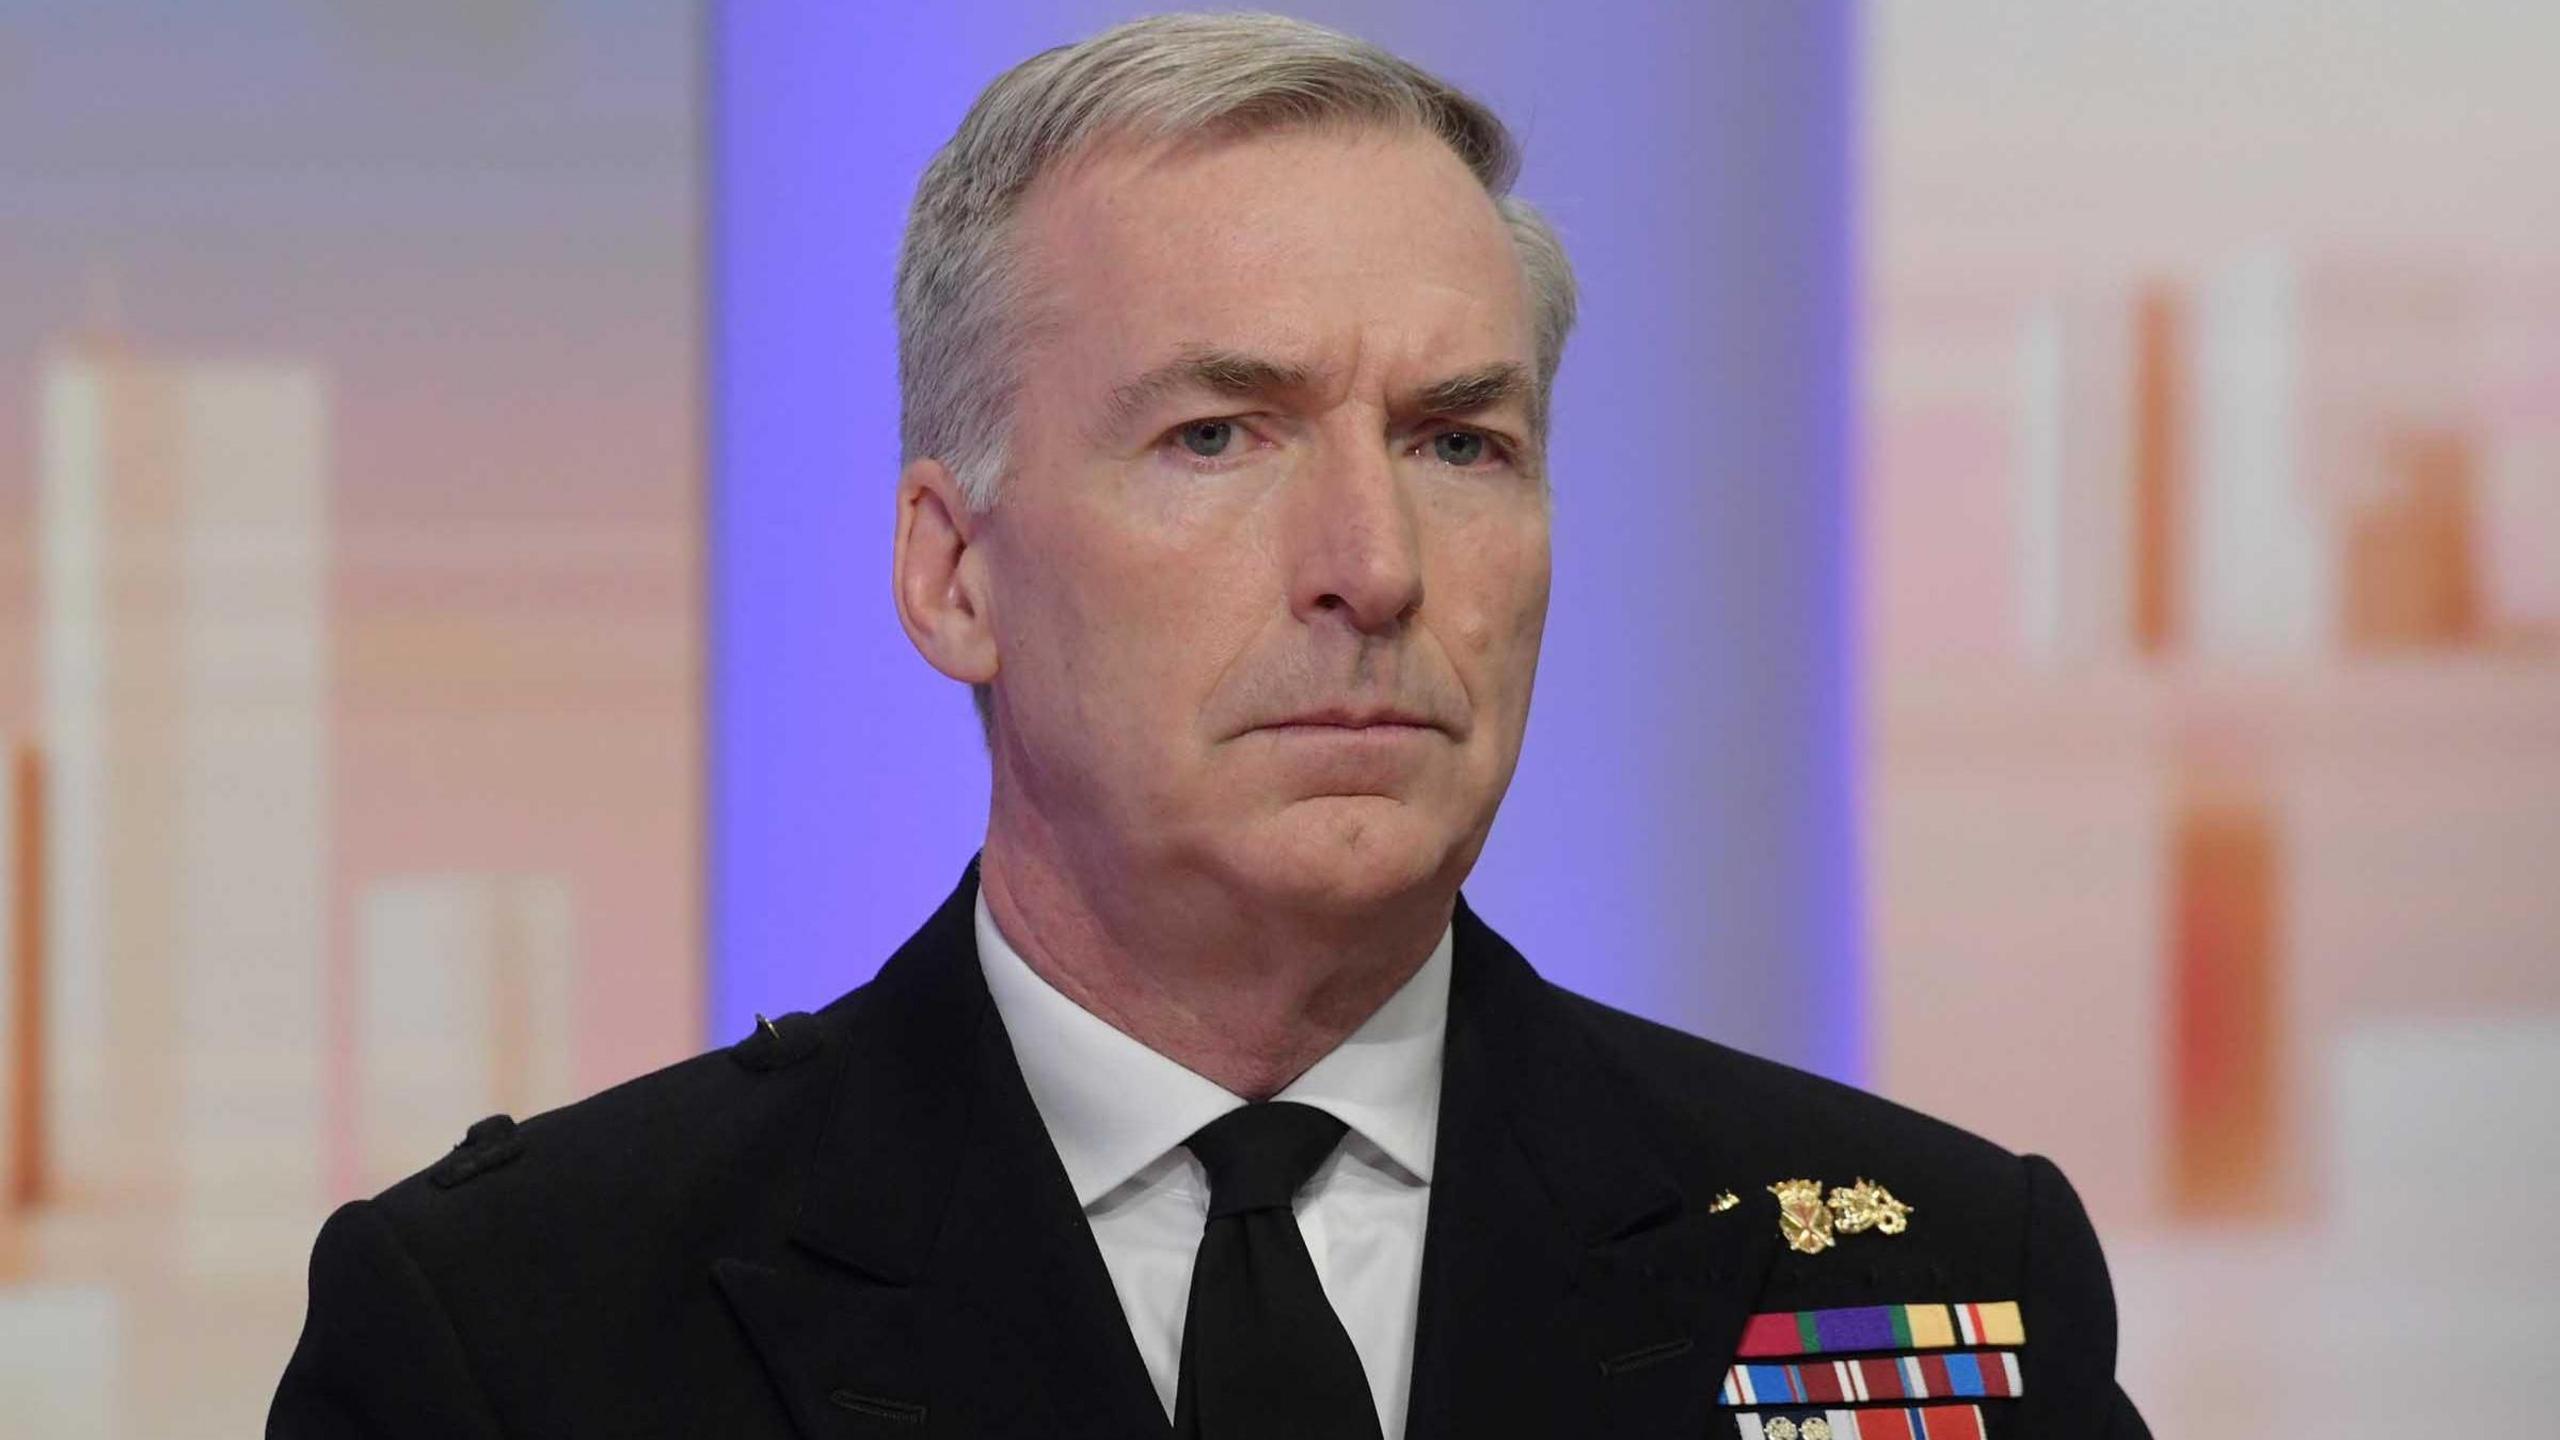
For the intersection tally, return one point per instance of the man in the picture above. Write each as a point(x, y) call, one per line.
point(1204, 1102)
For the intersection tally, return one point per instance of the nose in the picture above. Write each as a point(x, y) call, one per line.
point(1356, 541)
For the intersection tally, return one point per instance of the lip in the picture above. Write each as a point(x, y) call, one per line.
point(1353, 720)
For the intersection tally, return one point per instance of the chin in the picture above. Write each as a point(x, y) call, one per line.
point(1347, 853)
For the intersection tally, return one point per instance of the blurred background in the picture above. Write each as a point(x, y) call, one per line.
point(2057, 617)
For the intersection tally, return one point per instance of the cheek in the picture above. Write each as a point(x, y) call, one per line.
point(1498, 574)
point(1195, 591)
point(1131, 604)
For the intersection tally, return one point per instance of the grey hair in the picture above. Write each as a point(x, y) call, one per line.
point(961, 292)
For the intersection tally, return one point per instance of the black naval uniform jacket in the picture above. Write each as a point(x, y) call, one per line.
point(853, 1224)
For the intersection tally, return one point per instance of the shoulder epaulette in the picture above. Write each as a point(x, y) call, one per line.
point(780, 1041)
point(487, 1145)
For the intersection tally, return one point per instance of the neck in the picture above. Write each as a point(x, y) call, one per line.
point(1245, 994)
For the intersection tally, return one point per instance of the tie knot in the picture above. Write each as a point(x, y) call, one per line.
point(1258, 1155)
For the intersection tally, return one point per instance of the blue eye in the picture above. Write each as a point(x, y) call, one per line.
point(1208, 439)
point(1461, 448)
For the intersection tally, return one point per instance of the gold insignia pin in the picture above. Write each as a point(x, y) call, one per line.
point(1867, 1205)
point(1811, 1223)
point(1781, 1428)
point(1723, 1202)
point(1803, 1222)
point(1814, 1428)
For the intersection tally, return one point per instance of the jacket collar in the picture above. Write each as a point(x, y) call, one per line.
point(938, 1268)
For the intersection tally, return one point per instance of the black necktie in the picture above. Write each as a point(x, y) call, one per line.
point(1263, 1356)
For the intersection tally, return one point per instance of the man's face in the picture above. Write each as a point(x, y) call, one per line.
point(1270, 567)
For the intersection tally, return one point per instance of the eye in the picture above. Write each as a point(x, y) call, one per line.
point(1461, 449)
point(1207, 439)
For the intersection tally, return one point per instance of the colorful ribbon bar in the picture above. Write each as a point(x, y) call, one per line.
point(1883, 1327)
point(1918, 1422)
point(1962, 1375)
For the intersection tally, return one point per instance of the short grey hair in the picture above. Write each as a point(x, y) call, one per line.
point(961, 294)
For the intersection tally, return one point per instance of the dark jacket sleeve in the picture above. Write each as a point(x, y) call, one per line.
point(2071, 1305)
point(379, 1358)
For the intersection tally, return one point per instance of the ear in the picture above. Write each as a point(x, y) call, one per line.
point(940, 579)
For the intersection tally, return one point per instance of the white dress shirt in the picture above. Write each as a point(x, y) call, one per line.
point(1118, 1113)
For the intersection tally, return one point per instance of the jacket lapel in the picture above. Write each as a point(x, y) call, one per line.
point(1570, 1285)
point(939, 1277)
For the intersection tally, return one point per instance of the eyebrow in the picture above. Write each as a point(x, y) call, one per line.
point(1472, 392)
point(1239, 375)
point(1230, 373)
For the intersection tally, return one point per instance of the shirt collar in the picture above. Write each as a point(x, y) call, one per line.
point(1112, 1106)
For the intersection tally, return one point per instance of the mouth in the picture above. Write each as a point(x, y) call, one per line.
point(1351, 750)
point(1348, 720)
